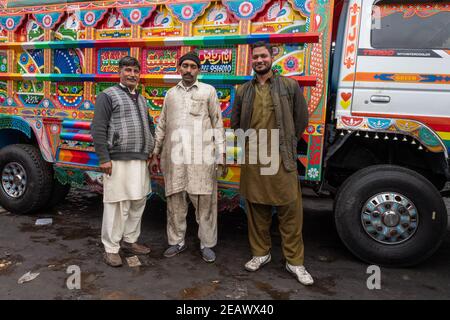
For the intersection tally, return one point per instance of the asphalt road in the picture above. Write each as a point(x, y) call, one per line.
point(74, 239)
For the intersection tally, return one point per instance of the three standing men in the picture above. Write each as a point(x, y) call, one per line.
point(123, 137)
point(190, 125)
point(271, 102)
point(190, 139)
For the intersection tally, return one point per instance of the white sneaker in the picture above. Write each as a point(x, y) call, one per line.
point(301, 274)
point(257, 262)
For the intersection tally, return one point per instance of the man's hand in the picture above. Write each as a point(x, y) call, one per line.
point(153, 164)
point(106, 168)
point(222, 168)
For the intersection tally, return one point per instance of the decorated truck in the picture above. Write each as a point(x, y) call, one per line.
point(375, 74)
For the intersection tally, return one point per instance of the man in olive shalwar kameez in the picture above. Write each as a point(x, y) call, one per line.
point(190, 110)
point(272, 102)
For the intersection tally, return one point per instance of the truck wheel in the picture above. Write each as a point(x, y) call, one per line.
point(58, 194)
point(27, 180)
point(391, 216)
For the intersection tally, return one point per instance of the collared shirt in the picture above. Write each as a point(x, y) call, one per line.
point(134, 94)
point(187, 115)
point(268, 80)
point(194, 85)
point(127, 89)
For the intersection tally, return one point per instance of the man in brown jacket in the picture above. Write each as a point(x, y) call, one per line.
point(272, 104)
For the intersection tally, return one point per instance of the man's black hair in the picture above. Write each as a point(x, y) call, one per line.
point(129, 62)
point(266, 45)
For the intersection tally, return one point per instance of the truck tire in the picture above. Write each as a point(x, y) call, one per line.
point(26, 179)
point(58, 194)
point(390, 216)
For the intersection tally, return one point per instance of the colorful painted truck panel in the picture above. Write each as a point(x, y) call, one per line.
point(57, 58)
point(395, 72)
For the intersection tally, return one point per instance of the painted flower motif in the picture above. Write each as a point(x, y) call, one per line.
point(310, 129)
point(349, 63)
point(291, 64)
point(355, 8)
point(313, 173)
point(277, 69)
point(24, 58)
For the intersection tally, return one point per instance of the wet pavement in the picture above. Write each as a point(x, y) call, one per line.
point(74, 239)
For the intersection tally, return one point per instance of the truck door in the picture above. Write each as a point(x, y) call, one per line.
point(403, 63)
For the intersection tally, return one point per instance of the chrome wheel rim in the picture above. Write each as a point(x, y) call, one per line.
point(14, 179)
point(390, 218)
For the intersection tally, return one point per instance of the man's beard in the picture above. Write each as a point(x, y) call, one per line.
point(264, 71)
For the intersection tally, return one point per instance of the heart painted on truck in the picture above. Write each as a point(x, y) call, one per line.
point(346, 96)
point(345, 102)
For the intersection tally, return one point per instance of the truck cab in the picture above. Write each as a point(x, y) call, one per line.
point(388, 149)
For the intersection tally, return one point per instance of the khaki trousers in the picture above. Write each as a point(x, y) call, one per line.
point(290, 219)
point(121, 220)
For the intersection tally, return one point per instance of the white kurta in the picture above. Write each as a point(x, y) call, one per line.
point(130, 180)
point(187, 114)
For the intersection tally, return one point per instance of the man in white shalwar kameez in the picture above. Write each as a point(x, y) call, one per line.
point(123, 137)
point(189, 138)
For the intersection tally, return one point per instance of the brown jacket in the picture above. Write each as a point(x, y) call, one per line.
point(291, 113)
